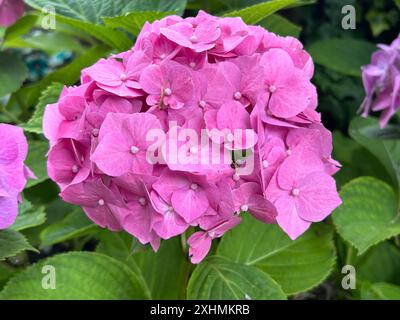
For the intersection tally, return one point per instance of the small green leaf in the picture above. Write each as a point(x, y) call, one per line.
point(48, 96)
point(13, 73)
point(134, 21)
point(384, 147)
point(12, 243)
point(75, 224)
point(218, 278)
point(342, 55)
point(277, 24)
point(257, 12)
point(36, 161)
point(369, 213)
point(380, 291)
point(295, 265)
point(78, 276)
point(29, 216)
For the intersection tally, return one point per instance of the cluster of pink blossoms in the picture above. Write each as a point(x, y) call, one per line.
point(196, 75)
point(13, 172)
point(381, 80)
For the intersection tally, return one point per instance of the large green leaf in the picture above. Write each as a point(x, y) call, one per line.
point(383, 146)
point(380, 291)
point(29, 216)
point(369, 213)
point(164, 271)
point(379, 264)
point(12, 243)
point(93, 11)
point(20, 27)
point(13, 73)
point(257, 12)
point(75, 224)
point(50, 95)
point(342, 55)
point(296, 265)
point(134, 21)
point(36, 161)
point(281, 26)
point(79, 275)
point(218, 278)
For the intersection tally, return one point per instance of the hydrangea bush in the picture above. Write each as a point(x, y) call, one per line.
point(247, 90)
point(185, 154)
point(13, 172)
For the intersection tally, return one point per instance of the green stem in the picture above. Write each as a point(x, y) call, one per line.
point(8, 114)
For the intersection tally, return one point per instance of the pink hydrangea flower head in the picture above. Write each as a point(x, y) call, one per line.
point(204, 120)
point(13, 172)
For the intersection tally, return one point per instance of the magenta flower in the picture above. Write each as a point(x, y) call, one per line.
point(13, 172)
point(123, 146)
point(169, 84)
point(10, 11)
point(203, 120)
point(302, 192)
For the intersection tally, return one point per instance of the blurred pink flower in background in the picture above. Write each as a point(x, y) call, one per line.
point(10, 11)
point(381, 80)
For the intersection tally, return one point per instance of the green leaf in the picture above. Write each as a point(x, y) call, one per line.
point(397, 2)
point(368, 214)
point(75, 224)
point(134, 21)
point(78, 276)
point(67, 75)
point(93, 11)
point(280, 25)
point(49, 42)
point(13, 73)
point(295, 265)
point(380, 291)
point(342, 55)
point(257, 12)
point(356, 161)
point(36, 161)
point(379, 264)
point(164, 271)
point(48, 96)
point(12, 243)
point(29, 216)
point(386, 149)
point(218, 278)
point(20, 27)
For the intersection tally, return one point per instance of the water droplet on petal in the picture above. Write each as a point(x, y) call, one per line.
point(101, 202)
